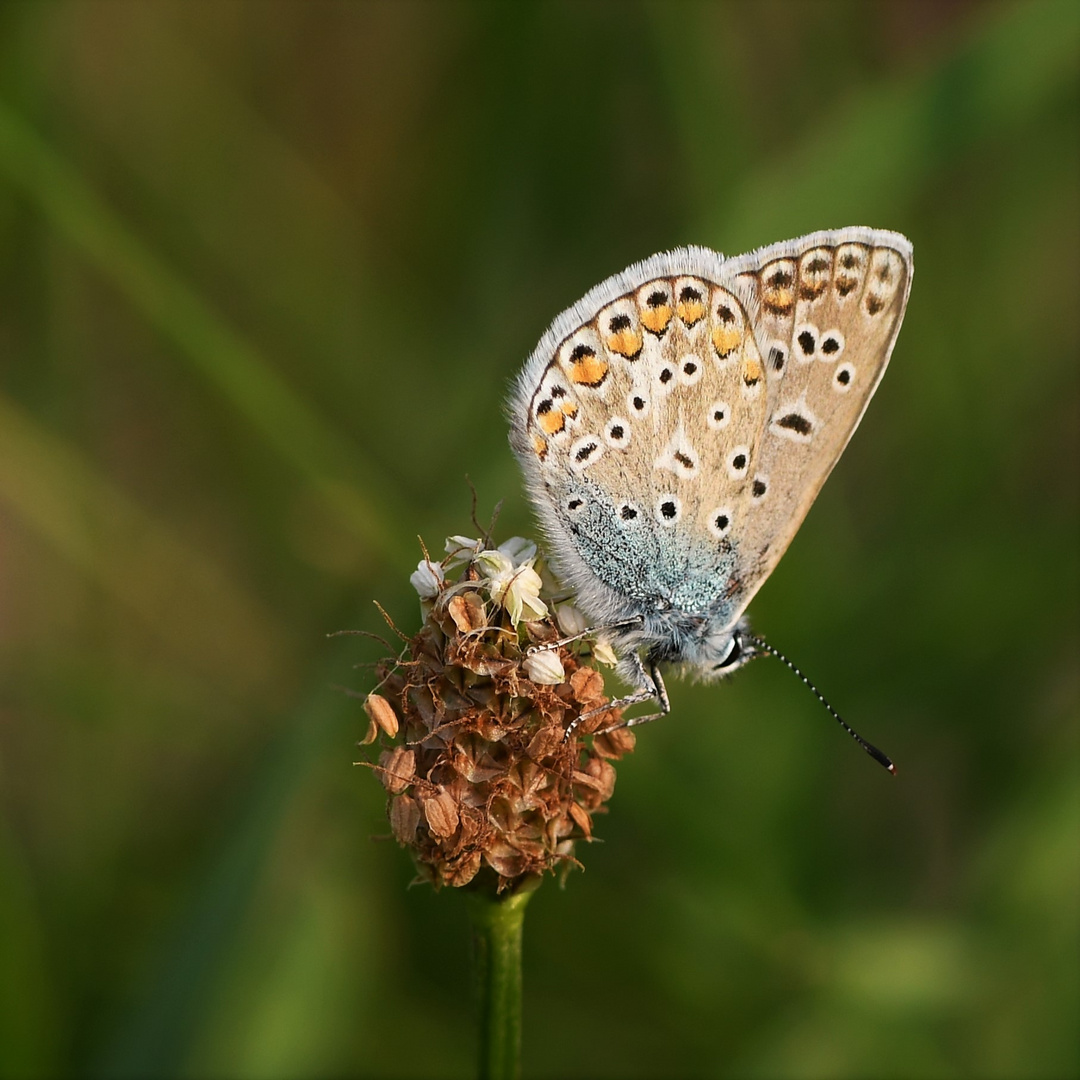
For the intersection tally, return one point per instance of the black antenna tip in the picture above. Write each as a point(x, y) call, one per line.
point(882, 759)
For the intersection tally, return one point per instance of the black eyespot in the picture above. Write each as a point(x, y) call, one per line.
point(573, 504)
point(684, 460)
point(558, 391)
point(667, 509)
point(689, 367)
point(718, 416)
point(585, 452)
point(807, 342)
point(656, 299)
point(639, 403)
point(843, 376)
point(758, 488)
point(544, 407)
point(725, 314)
point(722, 522)
point(616, 431)
point(688, 293)
point(581, 351)
point(619, 322)
point(776, 358)
point(796, 422)
point(738, 461)
point(665, 375)
point(628, 513)
point(830, 345)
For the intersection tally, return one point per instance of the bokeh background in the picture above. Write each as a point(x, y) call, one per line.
point(266, 270)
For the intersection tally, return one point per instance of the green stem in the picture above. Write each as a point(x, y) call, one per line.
point(497, 925)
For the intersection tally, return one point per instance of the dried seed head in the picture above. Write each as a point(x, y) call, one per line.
point(381, 715)
point(483, 787)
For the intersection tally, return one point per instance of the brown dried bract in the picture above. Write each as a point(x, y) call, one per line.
point(482, 783)
point(381, 716)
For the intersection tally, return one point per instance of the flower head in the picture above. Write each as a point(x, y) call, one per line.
point(481, 783)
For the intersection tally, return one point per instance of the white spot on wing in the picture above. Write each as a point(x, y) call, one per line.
point(617, 432)
point(718, 415)
point(679, 456)
point(668, 509)
point(795, 421)
point(586, 451)
point(737, 462)
point(689, 369)
point(831, 346)
point(720, 521)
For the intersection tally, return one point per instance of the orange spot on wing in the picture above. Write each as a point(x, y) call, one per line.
point(540, 446)
point(777, 288)
point(552, 422)
point(626, 343)
point(569, 408)
point(588, 370)
point(690, 311)
point(656, 319)
point(751, 370)
point(726, 340)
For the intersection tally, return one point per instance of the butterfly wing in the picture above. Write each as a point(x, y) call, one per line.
point(672, 442)
point(629, 419)
point(827, 310)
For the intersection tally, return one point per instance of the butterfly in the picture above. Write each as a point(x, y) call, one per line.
point(675, 425)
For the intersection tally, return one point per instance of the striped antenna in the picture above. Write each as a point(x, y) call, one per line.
point(882, 759)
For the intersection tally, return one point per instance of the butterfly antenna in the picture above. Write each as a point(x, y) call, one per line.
point(882, 759)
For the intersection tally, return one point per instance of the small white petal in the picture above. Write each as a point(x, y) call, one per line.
point(533, 607)
point(545, 668)
point(461, 549)
point(427, 579)
point(570, 620)
point(519, 550)
point(518, 590)
point(604, 653)
point(494, 563)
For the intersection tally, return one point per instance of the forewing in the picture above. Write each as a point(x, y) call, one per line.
point(827, 309)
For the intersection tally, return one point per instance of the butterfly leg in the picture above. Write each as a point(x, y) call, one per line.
point(659, 693)
point(636, 623)
point(651, 686)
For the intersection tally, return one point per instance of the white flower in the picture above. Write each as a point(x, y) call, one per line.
point(518, 590)
point(428, 579)
point(461, 549)
point(492, 563)
point(603, 652)
point(519, 550)
point(571, 621)
point(545, 668)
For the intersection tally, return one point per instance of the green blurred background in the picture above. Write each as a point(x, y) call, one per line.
point(266, 270)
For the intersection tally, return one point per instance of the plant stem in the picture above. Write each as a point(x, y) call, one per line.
point(497, 925)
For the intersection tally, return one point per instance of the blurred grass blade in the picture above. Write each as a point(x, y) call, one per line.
point(334, 466)
point(170, 1014)
point(175, 590)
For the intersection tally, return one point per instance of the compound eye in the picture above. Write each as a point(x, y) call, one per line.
point(734, 652)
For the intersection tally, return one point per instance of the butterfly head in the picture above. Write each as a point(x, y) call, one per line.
point(725, 652)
